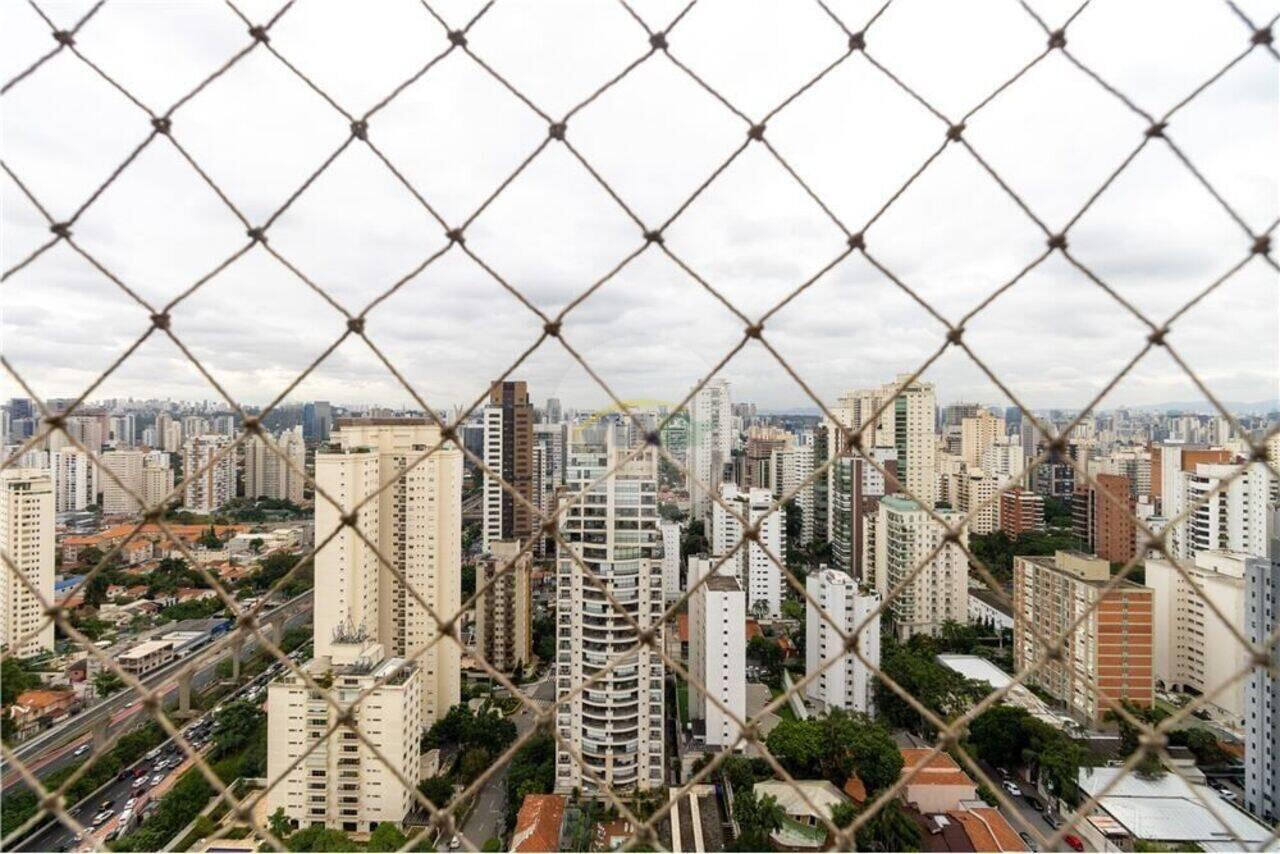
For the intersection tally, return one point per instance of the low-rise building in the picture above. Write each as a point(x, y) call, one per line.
point(38, 708)
point(936, 784)
point(1166, 810)
point(801, 801)
point(146, 657)
point(989, 610)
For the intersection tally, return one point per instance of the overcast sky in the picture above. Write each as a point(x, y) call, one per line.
point(1156, 236)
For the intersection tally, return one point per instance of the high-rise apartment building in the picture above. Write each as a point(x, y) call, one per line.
point(75, 479)
point(903, 537)
point(1103, 517)
point(856, 489)
point(900, 415)
point(123, 430)
point(208, 473)
point(266, 472)
point(845, 680)
point(26, 541)
point(508, 453)
point(978, 497)
point(710, 443)
point(342, 783)
point(670, 531)
point(416, 524)
point(552, 414)
point(717, 654)
point(617, 723)
point(762, 443)
point(122, 474)
point(1262, 687)
point(1108, 655)
point(1196, 648)
point(504, 607)
point(755, 570)
point(1227, 514)
point(792, 467)
point(1169, 460)
point(168, 433)
point(317, 421)
point(1021, 512)
point(978, 433)
point(157, 480)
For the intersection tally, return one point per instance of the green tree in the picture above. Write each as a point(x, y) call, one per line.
point(999, 735)
point(737, 770)
point(889, 829)
point(321, 839)
point(14, 679)
point(235, 726)
point(279, 824)
point(255, 545)
point(438, 790)
point(843, 814)
point(209, 539)
point(532, 772)
point(694, 539)
point(798, 746)
point(95, 592)
point(468, 580)
point(386, 837)
point(106, 683)
point(757, 818)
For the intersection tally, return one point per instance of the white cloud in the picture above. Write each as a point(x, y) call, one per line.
point(1156, 236)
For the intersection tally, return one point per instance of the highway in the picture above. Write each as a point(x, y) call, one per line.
point(58, 837)
point(55, 748)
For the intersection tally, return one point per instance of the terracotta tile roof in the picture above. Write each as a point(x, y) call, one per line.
point(981, 838)
point(42, 698)
point(538, 824)
point(682, 622)
point(856, 789)
point(941, 770)
point(753, 629)
point(1006, 837)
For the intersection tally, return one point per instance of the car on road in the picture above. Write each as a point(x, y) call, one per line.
point(1012, 788)
point(157, 779)
point(454, 844)
point(1073, 842)
point(1036, 803)
point(129, 804)
point(1027, 840)
point(102, 818)
point(81, 750)
point(1227, 794)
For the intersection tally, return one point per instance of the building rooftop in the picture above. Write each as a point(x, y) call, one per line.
point(1169, 809)
point(538, 823)
point(146, 648)
point(722, 584)
point(991, 598)
point(939, 770)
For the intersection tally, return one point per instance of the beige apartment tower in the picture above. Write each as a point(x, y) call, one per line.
point(902, 536)
point(26, 541)
point(1108, 657)
point(342, 784)
point(417, 525)
point(504, 616)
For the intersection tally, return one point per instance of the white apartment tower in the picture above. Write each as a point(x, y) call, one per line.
point(208, 484)
point(710, 444)
point(845, 681)
point(1193, 648)
point(717, 654)
point(670, 531)
point(755, 570)
point(1262, 688)
point(74, 479)
point(416, 524)
point(792, 467)
point(26, 541)
point(904, 536)
point(157, 481)
point(1233, 519)
point(126, 466)
point(617, 722)
point(341, 783)
point(267, 475)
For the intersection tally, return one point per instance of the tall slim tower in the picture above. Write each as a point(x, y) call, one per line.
point(508, 451)
point(26, 541)
point(417, 524)
point(616, 723)
point(710, 442)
